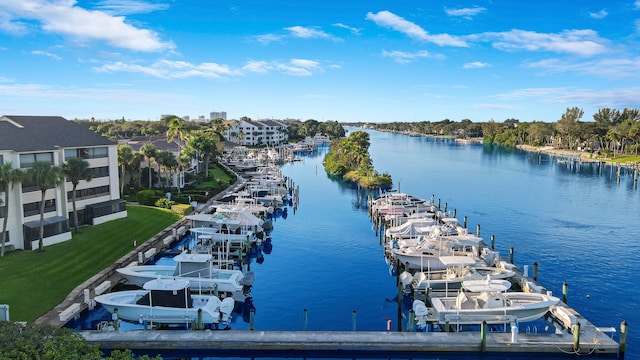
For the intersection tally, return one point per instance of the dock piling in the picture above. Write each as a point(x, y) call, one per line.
point(493, 242)
point(252, 319)
point(565, 290)
point(353, 320)
point(483, 336)
point(511, 255)
point(535, 271)
point(576, 337)
point(305, 319)
point(623, 339)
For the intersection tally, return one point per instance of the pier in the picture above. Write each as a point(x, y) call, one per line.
point(351, 342)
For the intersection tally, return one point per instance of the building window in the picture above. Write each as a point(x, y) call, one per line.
point(99, 172)
point(105, 208)
point(34, 207)
point(86, 153)
point(89, 193)
point(27, 160)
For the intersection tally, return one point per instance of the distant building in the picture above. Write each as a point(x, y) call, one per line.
point(218, 114)
point(26, 139)
point(256, 132)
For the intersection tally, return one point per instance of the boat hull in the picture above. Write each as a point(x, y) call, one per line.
point(222, 280)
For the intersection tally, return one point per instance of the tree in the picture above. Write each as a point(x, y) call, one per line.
point(125, 159)
point(568, 125)
point(150, 152)
point(76, 169)
point(44, 175)
point(8, 178)
point(201, 143)
point(177, 128)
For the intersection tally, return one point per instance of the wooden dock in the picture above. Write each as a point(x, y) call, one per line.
point(352, 342)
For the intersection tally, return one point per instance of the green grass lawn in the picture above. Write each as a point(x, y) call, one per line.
point(35, 282)
point(216, 173)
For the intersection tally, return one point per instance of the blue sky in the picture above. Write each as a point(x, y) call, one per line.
point(341, 60)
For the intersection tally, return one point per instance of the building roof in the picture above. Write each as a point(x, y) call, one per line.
point(43, 133)
point(159, 141)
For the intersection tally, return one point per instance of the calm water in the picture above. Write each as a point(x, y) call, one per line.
point(577, 222)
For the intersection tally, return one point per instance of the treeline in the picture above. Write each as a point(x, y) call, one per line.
point(610, 132)
point(349, 157)
point(126, 129)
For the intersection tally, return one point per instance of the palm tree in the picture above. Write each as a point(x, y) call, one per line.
point(125, 158)
point(44, 175)
point(202, 143)
point(149, 151)
point(77, 169)
point(8, 178)
point(177, 128)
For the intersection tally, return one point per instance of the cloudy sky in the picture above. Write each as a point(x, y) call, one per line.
point(341, 60)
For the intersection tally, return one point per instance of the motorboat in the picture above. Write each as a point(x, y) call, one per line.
point(458, 269)
point(168, 301)
point(425, 253)
point(489, 301)
point(197, 269)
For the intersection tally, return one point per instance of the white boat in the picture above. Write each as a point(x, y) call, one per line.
point(458, 269)
point(426, 252)
point(489, 301)
point(167, 301)
point(197, 269)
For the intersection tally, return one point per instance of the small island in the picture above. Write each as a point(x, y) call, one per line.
point(349, 158)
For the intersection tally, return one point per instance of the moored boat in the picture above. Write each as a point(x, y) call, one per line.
point(168, 301)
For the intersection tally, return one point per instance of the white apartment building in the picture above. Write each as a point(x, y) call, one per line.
point(26, 139)
point(256, 132)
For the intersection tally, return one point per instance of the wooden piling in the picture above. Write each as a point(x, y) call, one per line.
point(478, 230)
point(483, 336)
point(535, 271)
point(564, 292)
point(623, 339)
point(493, 242)
point(353, 320)
point(511, 255)
point(576, 337)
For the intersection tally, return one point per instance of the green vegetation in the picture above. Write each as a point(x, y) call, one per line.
point(45, 342)
point(35, 282)
point(611, 133)
point(349, 157)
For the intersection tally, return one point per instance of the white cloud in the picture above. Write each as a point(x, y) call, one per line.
point(608, 67)
point(166, 69)
point(390, 20)
point(599, 15)
point(44, 53)
point(127, 7)
point(613, 98)
point(267, 38)
point(65, 18)
point(475, 65)
point(406, 57)
point(579, 42)
point(257, 67)
point(352, 29)
point(307, 33)
point(465, 12)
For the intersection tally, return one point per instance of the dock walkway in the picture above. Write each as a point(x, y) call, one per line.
point(354, 342)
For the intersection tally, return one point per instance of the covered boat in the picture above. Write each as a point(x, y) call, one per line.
point(167, 301)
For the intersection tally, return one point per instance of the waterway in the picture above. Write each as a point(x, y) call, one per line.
point(578, 221)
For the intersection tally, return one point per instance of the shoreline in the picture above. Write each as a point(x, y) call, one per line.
point(551, 150)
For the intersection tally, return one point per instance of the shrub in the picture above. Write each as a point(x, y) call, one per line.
point(164, 203)
point(182, 209)
point(146, 197)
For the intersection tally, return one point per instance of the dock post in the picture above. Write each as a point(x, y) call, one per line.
point(215, 290)
point(412, 321)
point(199, 324)
point(438, 203)
point(493, 242)
point(623, 339)
point(305, 319)
point(252, 319)
point(478, 230)
point(454, 212)
point(464, 222)
point(353, 320)
point(483, 336)
point(116, 321)
point(446, 326)
point(576, 337)
point(511, 254)
point(400, 295)
point(446, 204)
point(535, 271)
point(565, 287)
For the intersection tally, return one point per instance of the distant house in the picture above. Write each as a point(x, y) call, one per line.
point(26, 139)
point(256, 132)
